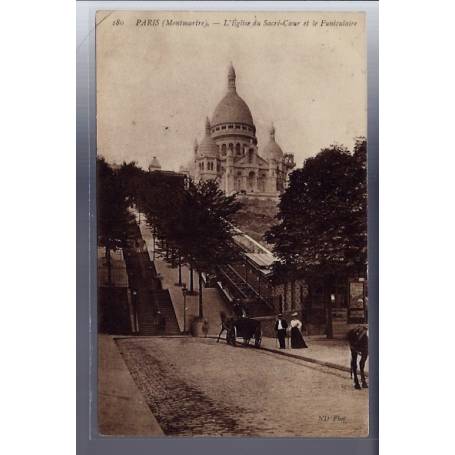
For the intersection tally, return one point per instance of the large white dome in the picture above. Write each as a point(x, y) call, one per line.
point(232, 108)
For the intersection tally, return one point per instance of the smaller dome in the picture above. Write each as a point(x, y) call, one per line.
point(208, 148)
point(272, 151)
point(155, 164)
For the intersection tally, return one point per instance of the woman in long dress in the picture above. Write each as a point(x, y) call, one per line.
point(297, 341)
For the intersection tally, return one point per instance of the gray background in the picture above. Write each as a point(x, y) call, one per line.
point(88, 441)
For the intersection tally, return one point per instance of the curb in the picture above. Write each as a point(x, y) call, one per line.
point(311, 360)
point(307, 359)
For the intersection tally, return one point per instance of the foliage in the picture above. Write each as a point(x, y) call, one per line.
point(322, 215)
point(194, 222)
point(130, 177)
point(205, 233)
point(191, 219)
point(112, 210)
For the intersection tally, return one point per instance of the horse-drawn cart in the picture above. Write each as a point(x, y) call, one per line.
point(245, 328)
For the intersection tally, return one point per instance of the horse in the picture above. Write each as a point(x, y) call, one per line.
point(358, 343)
point(247, 329)
point(243, 327)
point(226, 324)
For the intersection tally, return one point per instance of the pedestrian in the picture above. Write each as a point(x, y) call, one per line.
point(156, 321)
point(243, 310)
point(162, 323)
point(280, 328)
point(297, 341)
point(205, 327)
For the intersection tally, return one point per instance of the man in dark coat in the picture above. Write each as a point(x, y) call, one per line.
point(280, 328)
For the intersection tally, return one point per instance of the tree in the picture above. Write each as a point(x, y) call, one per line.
point(162, 201)
point(112, 212)
point(193, 220)
point(206, 238)
point(130, 178)
point(322, 219)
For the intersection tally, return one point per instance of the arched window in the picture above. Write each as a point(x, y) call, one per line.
point(223, 149)
point(231, 147)
point(238, 181)
point(250, 183)
point(237, 149)
point(261, 183)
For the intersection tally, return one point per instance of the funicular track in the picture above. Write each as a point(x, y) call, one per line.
point(242, 288)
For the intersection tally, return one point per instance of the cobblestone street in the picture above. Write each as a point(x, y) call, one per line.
point(199, 387)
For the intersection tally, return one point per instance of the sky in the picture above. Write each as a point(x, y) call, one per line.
point(156, 85)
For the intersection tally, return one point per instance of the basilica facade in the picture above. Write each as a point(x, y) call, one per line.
point(229, 151)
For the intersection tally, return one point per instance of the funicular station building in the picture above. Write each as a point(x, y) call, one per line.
point(324, 310)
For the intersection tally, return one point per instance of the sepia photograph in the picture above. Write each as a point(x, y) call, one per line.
point(231, 196)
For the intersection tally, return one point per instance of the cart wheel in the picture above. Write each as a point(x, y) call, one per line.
point(257, 339)
point(230, 337)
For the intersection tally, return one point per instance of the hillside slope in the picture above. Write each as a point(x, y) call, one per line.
point(255, 218)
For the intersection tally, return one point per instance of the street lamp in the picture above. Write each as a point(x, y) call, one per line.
point(329, 316)
point(135, 318)
point(184, 292)
point(154, 242)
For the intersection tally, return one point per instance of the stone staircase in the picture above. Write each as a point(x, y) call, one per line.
point(146, 313)
point(163, 304)
point(153, 306)
point(153, 311)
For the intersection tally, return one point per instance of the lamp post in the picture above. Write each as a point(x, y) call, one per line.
point(154, 245)
point(135, 318)
point(329, 316)
point(184, 292)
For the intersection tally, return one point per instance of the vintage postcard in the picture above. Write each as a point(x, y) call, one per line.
point(232, 224)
